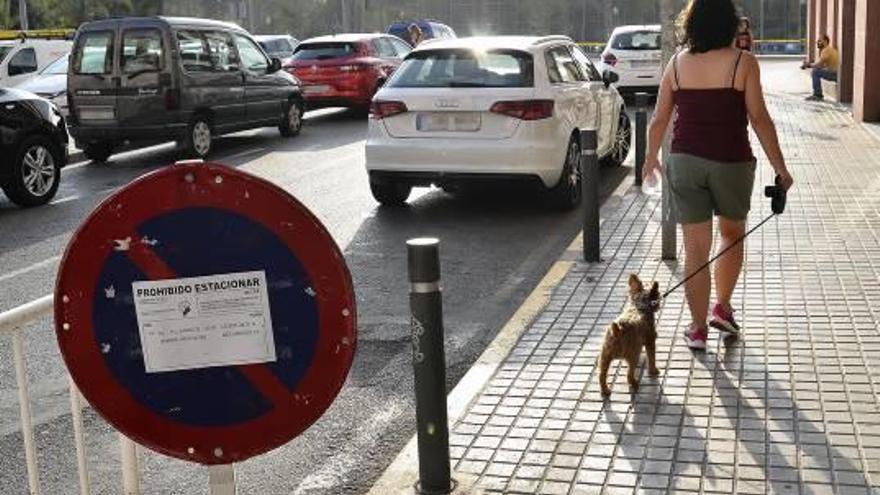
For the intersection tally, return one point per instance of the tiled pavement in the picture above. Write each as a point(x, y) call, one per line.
point(792, 407)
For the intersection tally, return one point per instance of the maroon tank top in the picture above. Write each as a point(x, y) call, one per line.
point(711, 123)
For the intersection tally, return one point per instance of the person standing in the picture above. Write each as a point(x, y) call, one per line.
point(824, 68)
point(744, 37)
point(715, 89)
point(416, 35)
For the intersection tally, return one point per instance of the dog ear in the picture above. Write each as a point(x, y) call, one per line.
point(635, 285)
point(655, 290)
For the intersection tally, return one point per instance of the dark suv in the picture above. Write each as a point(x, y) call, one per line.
point(155, 79)
point(33, 146)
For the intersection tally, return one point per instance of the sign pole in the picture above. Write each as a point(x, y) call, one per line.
point(221, 479)
point(668, 228)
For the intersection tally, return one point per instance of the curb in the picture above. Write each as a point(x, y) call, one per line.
point(401, 475)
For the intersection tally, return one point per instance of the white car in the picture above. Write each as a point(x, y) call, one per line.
point(466, 109)
point(634, 53)
point(22, 59)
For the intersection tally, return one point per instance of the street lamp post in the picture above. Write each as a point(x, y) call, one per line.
point(22, 15)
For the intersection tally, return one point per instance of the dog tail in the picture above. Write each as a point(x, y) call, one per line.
point(615, 329)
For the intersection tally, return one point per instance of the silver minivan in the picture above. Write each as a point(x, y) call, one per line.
point(140, 79)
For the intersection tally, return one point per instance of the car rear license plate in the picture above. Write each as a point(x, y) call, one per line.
point(316, 89)
point(644, 64)
point(448, 122)
point(97, 113)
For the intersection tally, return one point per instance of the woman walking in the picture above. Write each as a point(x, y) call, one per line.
point(715, 90)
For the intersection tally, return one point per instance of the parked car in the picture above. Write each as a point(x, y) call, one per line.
point(430, 29)
point(492, 108)
point(22, 59)
point(33, 146)
point(51, 83)
point(634, 53)
point(345, 70)
point(280, 46)
point(154, 79)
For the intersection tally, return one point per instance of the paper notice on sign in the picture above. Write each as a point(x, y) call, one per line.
point(201, 322)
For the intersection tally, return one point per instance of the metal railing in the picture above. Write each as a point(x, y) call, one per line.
point(14, 322)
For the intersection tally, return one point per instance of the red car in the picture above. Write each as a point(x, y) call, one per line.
point(345, 70)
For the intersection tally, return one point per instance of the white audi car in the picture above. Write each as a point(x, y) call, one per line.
point(492, 108)
point(634, 53)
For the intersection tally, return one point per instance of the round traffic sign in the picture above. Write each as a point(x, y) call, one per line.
point(205, 313)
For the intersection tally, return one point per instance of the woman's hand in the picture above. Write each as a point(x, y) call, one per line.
point(785, 179)
point(652, 164)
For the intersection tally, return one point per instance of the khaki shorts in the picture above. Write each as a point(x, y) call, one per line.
point(701, 187)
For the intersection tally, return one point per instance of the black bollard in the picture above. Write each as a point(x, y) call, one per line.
point(590, 194)
point(429, 365)
point(641, 134)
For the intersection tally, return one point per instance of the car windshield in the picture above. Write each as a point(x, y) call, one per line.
point(57, 67)
point(324, 51)
point(465, 69)
point(636, 40)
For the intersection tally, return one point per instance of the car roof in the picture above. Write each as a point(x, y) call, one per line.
point(345, 37)
point(524, 43)
point(194, 22)
point(637, 27)
point(266, 37)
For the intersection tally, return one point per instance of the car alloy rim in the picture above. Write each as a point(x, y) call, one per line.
point(201, 138)
point(293, 117)
point(621, 148)
point(574, 170)
point(39, 170)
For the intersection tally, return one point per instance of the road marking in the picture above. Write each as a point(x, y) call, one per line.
point(64, 200)
point(35, 266)
point(242, 153)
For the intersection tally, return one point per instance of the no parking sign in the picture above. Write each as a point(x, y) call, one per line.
point(205, 313)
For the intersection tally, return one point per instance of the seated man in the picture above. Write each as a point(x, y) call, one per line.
point(825, 68)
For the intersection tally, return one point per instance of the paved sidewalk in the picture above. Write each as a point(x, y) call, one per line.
point(792, 407)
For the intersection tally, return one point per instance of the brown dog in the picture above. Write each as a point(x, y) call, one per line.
point(633, 329)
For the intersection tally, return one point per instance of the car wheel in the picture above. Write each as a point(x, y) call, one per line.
point(389, 192)
point(622, 141)
point(36, 172)
point(98, 152)
point(566, 194)
point(292, 121)
point(199, 137)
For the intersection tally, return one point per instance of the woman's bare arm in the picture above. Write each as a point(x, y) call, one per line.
point(660, 121)
point(761, 121)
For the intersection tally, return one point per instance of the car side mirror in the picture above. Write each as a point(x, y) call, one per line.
point(609, 77)
point(274, 65)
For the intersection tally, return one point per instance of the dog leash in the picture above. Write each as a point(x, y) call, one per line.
point(777, 197)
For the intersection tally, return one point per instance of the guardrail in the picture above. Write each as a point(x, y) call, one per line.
point(13, 322)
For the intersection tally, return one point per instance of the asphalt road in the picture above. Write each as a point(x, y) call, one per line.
point(496, 245)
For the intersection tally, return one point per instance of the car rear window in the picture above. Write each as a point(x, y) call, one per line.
point(94, 54)
point(274, 46)
point(466, 69)
point(324, 51)
point(636, 40)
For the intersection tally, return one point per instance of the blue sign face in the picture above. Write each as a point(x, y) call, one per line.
point(196, 242)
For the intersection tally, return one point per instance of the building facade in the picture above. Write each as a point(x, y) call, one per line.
point(847, 23)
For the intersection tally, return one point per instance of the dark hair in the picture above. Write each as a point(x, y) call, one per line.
point(825, 37)
point(708, 25)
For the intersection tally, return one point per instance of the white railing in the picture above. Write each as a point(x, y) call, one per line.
point(14, 321)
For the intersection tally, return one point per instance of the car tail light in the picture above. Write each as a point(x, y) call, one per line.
point(609, 59)
point(172, 99)
point(383, 109)
point(524, 109)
